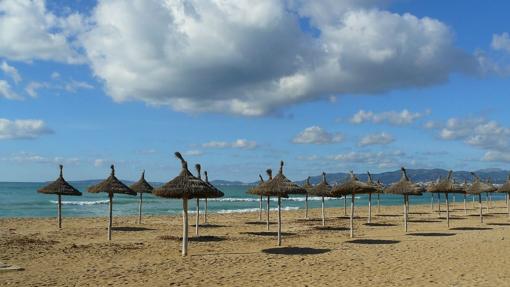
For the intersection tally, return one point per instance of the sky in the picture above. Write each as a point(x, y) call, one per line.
point(238, 86)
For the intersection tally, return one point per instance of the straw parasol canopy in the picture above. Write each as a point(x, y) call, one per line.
point(309, 188)
point(111, 185)
point(184, 186)
point(215, 194)
point(260, 191)
point(405, 187)
point(141, 187)
point(477, 188)
point(323, 189)
point(446, 186)
point(352, 186)
point(280, 187)
point(59, 187)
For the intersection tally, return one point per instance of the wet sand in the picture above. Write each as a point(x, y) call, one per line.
point(236, 250)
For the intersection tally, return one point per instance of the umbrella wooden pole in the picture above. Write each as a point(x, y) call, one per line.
point(473, 205)
point(439, 204)
point(407, 204)
point(260, 208)
point(480, 202)
point(490, 200)
point(487, 202)
point(110, 218)
point(267, 214)
point(322, 212)
point(140, 209)
point(279, 221)
point(306, 206)
point(345, 205)
point(447, 211)
point(405, 213)
point(507, 207)
point(352, 216)
point(197, 221)
point(378, 204)
point(453, 202)
point(369, 207)
point(205, 211)
point(184, 226)
point(432, 203)
point(465, 209)
point(59, 211)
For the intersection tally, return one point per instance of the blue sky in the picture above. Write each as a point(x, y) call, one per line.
point(324, 85)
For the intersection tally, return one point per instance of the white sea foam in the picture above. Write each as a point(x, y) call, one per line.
point(274, 199)
point(81, 202)
point(244, 210)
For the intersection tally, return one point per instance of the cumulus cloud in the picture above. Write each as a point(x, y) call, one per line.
point(29, 31)
point(73, 86)
point(22, 129)
point(379, 159)
point(376, 139)
point(10, 71)
point(404, 117)
point(480, 133)
point(496, 156)
point(32, 88)
point(250, 58)
point(26, 157)
point(501, 42)
point(317, 135)
point(239, 143)
point(7, 92)
point(193, 153)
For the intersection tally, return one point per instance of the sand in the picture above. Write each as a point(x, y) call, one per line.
point(236, 253)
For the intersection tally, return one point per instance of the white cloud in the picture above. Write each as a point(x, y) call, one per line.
point(193, 153)
point(11, 72)
point(376, 139)
point(22, 129)
point(25, 157)
point(317, 135)
point(28, 31)
point(379, 159)
point(55, 75)
point(404, 117)
point(501, 42)
point(250, 58)
point(74, 86)
point(32, 88)
point(496, 156)
point(239, 143)
point(98, 162)
point(7, 92)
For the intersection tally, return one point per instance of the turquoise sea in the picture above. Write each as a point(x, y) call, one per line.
point(21, 200)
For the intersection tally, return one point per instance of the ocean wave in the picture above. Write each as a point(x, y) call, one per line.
point(273, 199)
point(82, 202)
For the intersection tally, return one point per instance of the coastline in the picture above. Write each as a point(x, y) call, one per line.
point(234, 251)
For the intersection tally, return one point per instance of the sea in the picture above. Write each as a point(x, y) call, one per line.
point(21, 199)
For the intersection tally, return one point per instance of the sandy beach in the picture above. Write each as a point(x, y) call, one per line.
point(235, 250)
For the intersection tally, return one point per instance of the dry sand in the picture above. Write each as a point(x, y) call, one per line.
point(241, 254)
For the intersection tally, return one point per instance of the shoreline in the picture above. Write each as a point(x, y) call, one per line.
point(236, 249)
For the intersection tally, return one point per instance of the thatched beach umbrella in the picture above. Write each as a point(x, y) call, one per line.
point(377, 189)
point(405, 187)
point(59, 187)
point(258, 190)
point(505, 188)
point(111, 185)
point(280, 187)
point(323, 189)
point(141, 187)
point(309, 188)
point(477, 188)
point(446, 186)
point(352, 186)
point(216, 194)
point(185, 186)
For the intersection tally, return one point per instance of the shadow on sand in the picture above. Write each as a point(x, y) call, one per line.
point(499, 224)
point(373, 241)
point(331, 228)
point(471, 228)
point(205, 238)
point(130, 228)
point(208, 225)
point(267, 233)
point(259, 222)
point(295, 251)
point(380, 224)
point(424, 220)
point(432, 234)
